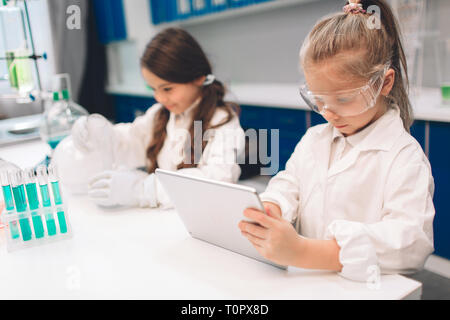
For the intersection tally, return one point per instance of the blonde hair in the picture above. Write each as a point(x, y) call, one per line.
point(342, 33)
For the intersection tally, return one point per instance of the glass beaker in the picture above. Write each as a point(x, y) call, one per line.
point(61, 114)
point(443, 50)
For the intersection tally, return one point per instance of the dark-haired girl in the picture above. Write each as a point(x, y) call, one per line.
point(191, 128)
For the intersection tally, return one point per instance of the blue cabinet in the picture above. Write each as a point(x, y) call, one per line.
point(252, 117)
point(440, 164)
point(292, 126)
point(110, 20)
point(418, 132)
point(290, 123)
point(129, 107)
point(316, 119)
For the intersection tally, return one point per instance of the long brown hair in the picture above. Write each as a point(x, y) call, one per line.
point(372, 48)
point(175, 56)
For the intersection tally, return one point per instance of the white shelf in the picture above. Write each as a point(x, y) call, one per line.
point(427, 104)
point(235, 12)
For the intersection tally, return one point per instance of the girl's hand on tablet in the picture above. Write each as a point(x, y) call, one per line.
point(272, 208)
point(273, 237)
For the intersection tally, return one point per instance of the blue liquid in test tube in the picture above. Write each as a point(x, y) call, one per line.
point(33, 202)
point(9, 203)
point(53, 175)
point(21, 203)
point(45, 195)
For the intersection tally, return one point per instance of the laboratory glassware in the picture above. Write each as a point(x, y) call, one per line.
point(60, 115)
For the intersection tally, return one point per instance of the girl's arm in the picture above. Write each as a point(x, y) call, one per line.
point(283, 189)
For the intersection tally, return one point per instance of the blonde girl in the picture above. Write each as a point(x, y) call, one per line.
point(356, 195)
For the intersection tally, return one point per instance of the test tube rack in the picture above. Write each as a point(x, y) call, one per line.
point(38, 225)
point(49, 234)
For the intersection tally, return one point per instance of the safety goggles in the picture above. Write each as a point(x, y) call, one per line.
point(346, 103)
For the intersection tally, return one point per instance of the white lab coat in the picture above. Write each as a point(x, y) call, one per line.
point(376, 201)
point(218, 161)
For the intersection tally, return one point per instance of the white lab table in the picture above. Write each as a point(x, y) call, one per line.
point(148, 254)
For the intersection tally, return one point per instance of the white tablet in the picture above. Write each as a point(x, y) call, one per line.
point(211, 210)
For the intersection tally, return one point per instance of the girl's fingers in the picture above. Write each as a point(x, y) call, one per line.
point(260, 217)
point(253, 229)
point(254, 240)
point(270, 212)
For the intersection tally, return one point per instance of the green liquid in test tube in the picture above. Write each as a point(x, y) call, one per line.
point(9, 203)
point(21, 203)
point(33, 202)
point(53, 175)
point(45, 195)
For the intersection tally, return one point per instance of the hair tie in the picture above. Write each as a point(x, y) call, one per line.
point(354, 7)
point(210, 78)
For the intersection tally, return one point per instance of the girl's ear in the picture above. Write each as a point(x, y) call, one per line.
point(199, 81)
point(389, 80)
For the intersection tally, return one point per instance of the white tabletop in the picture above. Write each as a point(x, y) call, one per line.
point(148, 254)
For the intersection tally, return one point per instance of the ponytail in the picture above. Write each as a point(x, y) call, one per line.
point(212, 95)
point(399, 92)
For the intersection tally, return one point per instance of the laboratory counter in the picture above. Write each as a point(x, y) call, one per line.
point(148, 254)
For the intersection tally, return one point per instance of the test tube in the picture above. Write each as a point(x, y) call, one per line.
point(41, 173)
point(54, 179)
point(33, 202)
point(9, 202)
point(21, 202)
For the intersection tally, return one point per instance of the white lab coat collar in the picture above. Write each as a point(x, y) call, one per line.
point(354, 139)
point(380, 135)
